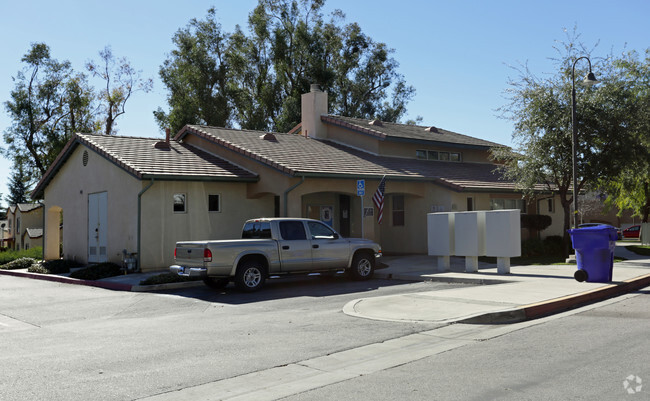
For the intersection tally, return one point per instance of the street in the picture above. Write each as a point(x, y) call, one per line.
point(68, 342)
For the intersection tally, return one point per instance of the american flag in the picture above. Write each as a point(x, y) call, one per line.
point(378, 199)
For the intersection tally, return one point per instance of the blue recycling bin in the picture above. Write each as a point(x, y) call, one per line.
point(594, 248)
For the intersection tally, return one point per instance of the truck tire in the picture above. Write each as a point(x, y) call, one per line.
point(216, 283)
point(250, 276)
point(363, 266)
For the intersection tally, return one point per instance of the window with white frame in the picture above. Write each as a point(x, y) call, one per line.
point(180, 203)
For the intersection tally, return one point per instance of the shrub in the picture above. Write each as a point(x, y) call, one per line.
point(8, 256)
point(554, 245)
point(166, 278)
point(532, 247)
point(550, 246)
point(98, 271)
point(58, 266)
point(22, 263)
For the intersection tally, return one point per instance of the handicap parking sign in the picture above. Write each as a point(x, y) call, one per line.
point(361, 187)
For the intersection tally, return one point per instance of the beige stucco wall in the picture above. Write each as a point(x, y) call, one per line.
point(69, 190)
point(29, 219)
point(162, 227)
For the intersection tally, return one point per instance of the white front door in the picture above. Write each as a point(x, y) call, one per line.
point(97, 227)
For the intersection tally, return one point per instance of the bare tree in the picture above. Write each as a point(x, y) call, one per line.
point(122, 80)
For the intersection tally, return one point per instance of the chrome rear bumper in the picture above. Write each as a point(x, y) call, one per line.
point(189, 271)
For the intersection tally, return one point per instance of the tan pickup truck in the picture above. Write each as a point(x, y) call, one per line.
point(275, 246)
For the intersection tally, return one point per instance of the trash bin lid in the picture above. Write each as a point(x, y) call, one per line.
point(594, 237)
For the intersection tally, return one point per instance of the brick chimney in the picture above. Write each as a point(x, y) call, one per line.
point(314, 105)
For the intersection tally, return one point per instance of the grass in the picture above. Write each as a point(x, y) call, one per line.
point(639, 249)
point(9, 256)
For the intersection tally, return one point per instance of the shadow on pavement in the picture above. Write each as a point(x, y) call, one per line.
point(285, 288)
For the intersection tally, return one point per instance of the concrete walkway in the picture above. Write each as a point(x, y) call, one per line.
point(526, 293)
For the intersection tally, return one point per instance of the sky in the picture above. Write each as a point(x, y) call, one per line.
point(458, 55)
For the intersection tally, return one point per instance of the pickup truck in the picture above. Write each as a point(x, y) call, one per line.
point(271, 247)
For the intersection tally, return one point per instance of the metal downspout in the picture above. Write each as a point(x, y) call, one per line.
point(286, 195)
point(140, 219)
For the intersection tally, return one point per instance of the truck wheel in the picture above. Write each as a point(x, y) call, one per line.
point(216, 283)
point(250, 276)
point(363, 266)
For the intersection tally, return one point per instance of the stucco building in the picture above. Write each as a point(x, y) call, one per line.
point(24, 226)
point(142, 195)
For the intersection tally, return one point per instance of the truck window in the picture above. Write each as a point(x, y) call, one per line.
point(292, 230)
point(320, 231)
point(256, 230)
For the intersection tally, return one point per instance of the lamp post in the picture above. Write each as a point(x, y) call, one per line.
point(590, 79)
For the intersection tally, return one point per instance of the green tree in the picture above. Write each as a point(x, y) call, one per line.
point(121, 81)
point(46, 105)
point(541, 111)
point(17, 186)
point(195, 76)
point(631, 189)
point(256, 79)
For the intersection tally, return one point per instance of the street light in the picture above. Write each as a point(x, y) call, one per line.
point(590, 80)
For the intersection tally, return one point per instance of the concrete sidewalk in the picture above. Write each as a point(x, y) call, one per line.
point(526, 293)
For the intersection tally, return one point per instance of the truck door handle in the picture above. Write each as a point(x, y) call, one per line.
point(314, 246)
point(285, 247)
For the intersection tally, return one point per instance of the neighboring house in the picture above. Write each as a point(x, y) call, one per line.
point(120, 193)
point(24, 221)
point(4, 234)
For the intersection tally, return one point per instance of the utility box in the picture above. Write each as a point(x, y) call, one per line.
point(469, 237)
point(440, 229)
point(503, 236)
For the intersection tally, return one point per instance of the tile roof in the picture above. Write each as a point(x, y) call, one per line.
point(385, 130)
point(28, 207)
point(34, 232)
point(297, 155)
point(139, 157)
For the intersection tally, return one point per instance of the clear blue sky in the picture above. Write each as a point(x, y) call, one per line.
point(455, 53)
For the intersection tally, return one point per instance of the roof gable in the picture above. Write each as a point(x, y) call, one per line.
point(142, 159)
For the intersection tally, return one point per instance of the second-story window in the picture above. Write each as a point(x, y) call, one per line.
point(424, 154)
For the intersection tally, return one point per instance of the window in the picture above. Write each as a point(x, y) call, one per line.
point(179, 203)
point(214, 203)
point(504, 203)
point(424, 154)
point(551, 205)
point(256, 230)
point(320, 231)
point(292, 230)
point(470, 204)
point(18, 226)
point(398, 210)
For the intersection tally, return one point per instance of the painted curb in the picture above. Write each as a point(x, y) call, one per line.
point(107, 285)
